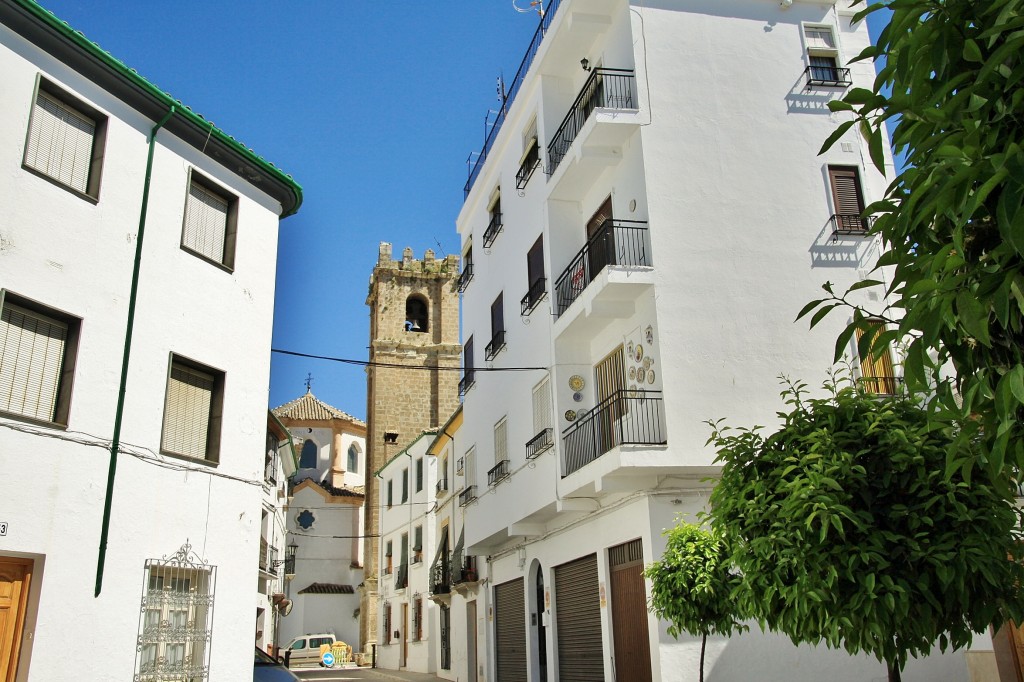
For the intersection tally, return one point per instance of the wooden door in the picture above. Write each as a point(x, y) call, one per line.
point(629, 613)
point(610, 379)
point(601, 240)
point(15, 575)
point(471, 664)
point(405, 636)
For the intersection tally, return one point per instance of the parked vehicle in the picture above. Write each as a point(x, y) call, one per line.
point(305, 649)
point(266, 669)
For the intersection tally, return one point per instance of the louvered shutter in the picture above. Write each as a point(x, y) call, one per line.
point(877, 373)
point(31, 358)
point(187, 414)
point(510, 631)
point(846, 190)
point(578, 621)
point(60, 142)
point(501, 441)
point(206, 220)
point(819, 38)
point(541, 407)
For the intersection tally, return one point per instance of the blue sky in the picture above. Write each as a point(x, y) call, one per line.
point(371, 106)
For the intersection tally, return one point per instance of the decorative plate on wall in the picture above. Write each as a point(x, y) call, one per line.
point(638, 353)
point(629, 348)
point(649, 334)
point(632, 373)
point(570, 415)
point(650, 377)
point(576, 382)
point(577, 397)
point(648, 361)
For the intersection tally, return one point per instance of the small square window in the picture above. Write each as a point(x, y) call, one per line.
point(38, 350)
point(210, 223)
point(193, 410)
point(65, 141)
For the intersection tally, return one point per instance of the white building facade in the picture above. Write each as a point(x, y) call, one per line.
point(324, 520)
point(647, 218)
point(90, 153)
point(406, 635)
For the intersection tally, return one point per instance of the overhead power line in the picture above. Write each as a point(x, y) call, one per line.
point(395, 365)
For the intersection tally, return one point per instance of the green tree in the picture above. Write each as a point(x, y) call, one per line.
point(691, 586)
point(952, 222)
point(847, 530)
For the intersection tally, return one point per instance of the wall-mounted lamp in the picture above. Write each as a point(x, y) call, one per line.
point(585, 63)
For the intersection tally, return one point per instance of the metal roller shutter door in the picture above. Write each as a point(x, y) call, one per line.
point(578, 621)
point(510, 631)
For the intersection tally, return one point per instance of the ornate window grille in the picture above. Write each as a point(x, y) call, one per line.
point(176, 619)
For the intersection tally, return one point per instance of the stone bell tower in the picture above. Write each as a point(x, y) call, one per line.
point(414, 324)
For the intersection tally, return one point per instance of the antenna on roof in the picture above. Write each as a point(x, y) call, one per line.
point(537, 5)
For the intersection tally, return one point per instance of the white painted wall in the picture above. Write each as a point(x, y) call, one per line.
point(76, 256)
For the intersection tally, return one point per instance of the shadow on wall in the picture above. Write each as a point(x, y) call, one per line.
point(842, 251)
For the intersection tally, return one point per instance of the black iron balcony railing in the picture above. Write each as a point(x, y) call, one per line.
point(497, 472)
point(493, 229)
point(465, 277)
point(540, 443)
point(268, 557)
point(442, 486)
point(827, 76)
point(880, 385)
point(270, 473)
point(464, 570)
point(467, 495)
point(632, 417)
point(850, 224)
point(509, 94)
point(616, 242)
point(466, 382)
point(534, 296)
point(495, 346)
point(441, 578)
point(402, 577)
point(604, 89)
point(530, 162)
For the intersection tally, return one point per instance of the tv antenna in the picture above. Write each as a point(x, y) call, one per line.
point(535, 5)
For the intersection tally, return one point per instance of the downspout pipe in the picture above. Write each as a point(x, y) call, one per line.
point(115, 443)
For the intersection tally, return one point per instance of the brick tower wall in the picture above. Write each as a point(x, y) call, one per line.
point(404, 401)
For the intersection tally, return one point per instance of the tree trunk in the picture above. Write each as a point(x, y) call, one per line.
point(894, 672)
point(703, 645)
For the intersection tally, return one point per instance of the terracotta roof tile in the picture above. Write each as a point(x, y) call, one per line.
point(327, 588)
point(308, 407)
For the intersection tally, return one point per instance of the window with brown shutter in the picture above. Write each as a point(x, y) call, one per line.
point(877, 374)
point(847, 201)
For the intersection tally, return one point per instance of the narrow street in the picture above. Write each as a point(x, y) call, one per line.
point(338, 675)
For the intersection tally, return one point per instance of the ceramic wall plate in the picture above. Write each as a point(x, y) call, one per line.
point(632, 373)
point(649, 335)
point(576, 382)
point(629, 348)
point(650, 377)
point(570, 415)
point(648, 361)
point(577, 397)
point(638, 353)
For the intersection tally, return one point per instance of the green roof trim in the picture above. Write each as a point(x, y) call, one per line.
point(43, 28)
point(405, 450)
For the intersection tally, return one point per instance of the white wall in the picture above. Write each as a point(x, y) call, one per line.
point(76, 256)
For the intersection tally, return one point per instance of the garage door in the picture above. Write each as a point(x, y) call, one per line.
point(578, 621)
point(510, 631)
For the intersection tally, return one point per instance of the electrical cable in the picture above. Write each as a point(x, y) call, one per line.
point(370, 363)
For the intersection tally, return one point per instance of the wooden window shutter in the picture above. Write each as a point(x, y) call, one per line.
point(187, 413)
point(497, 316)
point(877, 372)
point(60, 142)
point(31, 360)
point(500, 441)
point(542, 412)
point(846, 195)
point(206, 222)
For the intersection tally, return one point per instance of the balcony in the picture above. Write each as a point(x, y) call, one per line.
point(465, 277)
point(540, 443)
point(270, 473)
point(466, 382)
point(495, 346)
point(604, 89)
point(464, 570)
point(850, 224)
point(827, 77)
point(497, 472)
point(441, 577)
point(627, 417)
point(402, 577)
point(493, 229)
point(533, 297)
point(616, 242)
point(467, 495)
point(531, 160)
point(442, 487)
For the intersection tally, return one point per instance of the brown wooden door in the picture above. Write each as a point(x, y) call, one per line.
point(405, 636)
point(629, 614)
point(15, 575)
point(601, 238)
point(610, 379)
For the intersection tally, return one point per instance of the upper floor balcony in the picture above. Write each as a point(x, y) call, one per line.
point(604, 89)
point(819, 75)
point(850, 224)
point(626, 417)
point(268, 558)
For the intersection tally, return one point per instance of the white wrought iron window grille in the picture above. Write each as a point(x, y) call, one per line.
point(176, 619)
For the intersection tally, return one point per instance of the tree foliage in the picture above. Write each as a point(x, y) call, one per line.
point(952, 222)
point(847, 530)
point(691, 586)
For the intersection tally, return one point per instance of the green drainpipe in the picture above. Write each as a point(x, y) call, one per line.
point(115, 444)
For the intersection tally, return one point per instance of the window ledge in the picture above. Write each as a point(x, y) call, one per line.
point(187, 458)
point(68, 188)
point(32, 420)
point(209, 260)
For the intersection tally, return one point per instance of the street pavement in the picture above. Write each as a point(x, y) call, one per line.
point(344, 674)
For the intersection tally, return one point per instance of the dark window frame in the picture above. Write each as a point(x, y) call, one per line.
point(227, 263)
point(216, 417)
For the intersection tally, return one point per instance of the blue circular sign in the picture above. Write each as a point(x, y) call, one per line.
point(327, 658)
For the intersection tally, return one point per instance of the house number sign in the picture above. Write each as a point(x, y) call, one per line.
point(3, 528)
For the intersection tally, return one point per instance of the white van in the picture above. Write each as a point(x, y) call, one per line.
point(305, 649)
